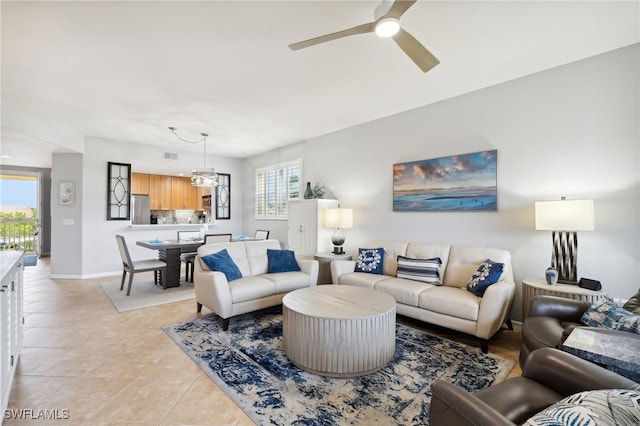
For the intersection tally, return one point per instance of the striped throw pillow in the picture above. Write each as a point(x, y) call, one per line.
point(425, 270)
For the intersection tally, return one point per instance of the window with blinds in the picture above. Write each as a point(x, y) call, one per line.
point(275, 185)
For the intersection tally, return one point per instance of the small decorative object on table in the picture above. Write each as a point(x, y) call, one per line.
point(551, 275)
point(308, 193)
point(318, 191)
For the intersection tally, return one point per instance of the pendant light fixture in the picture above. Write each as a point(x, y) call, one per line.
point(203, 177)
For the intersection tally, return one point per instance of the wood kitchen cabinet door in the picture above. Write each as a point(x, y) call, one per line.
point(183, 194)
point(140, 183)
point(160, 192)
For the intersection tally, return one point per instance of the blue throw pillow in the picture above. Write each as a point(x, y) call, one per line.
point(604, 313)
point(222, 262)
point(282, 261)
point(370, 260)
point(488, 273)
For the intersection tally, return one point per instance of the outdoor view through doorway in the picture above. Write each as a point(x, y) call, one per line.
point(19, 213)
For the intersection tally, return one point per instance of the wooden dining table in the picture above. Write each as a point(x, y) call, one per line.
point(169, 251)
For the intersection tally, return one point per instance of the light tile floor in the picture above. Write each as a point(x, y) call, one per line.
point(108, 368)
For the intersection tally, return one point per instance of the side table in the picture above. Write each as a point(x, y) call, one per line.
point(537, 286)
point(324, 269)
point(616, 351)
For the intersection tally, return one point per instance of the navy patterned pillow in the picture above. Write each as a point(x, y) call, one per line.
point(604, 313)
point(488, 273)
point(370, 260)
point(606, 407)
point(425, 270)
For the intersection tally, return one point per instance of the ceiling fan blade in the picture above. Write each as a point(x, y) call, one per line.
point(416, 51)
point(399, 7)
point(360, 29)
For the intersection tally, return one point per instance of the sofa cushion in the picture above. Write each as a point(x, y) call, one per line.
point(362, 279)
point(464, 260)
point(251, 288)
point(425, 270)
point(605, 313)
point(282, 261)
point(455, 302)
point(604, 407)
point(288, 281)
point(256, 253)
point(404, 291)
point(370, 260)
point(489, 272)
point(236, 250)
point(391, 251)
point(222, 262)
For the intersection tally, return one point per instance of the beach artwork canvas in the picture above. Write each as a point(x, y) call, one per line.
point(466, 182)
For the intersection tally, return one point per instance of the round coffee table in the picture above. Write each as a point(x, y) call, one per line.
point(338, 330)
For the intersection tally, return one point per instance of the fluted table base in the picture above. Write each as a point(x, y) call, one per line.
point(339, 331)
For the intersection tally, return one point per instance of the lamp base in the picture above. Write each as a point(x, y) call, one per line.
point(338, 250)
point(564, 256)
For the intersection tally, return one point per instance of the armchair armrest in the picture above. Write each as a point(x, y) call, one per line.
point(311, 268)
point(451, 405)
point(567, 374)
point(341, 267)
point(564, 309)
point(212, 290)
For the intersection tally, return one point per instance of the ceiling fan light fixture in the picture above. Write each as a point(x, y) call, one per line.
point(387, 27)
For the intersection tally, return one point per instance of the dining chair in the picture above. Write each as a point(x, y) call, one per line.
point(133, 267)
point(188, 258)
point(262, 234)
point(217, 238)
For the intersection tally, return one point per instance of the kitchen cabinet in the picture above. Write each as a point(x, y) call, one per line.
point(11, 320)
point(183, 194)
point(201, 191)
point(160, 192)
point(307, 234)
point(140, 183)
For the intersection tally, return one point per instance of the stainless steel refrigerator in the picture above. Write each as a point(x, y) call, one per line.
point(141, 210)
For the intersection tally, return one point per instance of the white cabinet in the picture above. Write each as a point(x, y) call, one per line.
point(11, 264)
point(307, 234)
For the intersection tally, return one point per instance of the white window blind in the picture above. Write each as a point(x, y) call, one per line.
point(275, 185)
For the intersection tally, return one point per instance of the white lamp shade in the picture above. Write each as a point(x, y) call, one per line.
point(565, 215)
point(338, 218)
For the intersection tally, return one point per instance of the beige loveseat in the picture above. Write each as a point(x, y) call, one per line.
point(257, 289)
point(450, 305)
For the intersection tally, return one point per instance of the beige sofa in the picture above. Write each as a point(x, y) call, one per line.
point(450, 305)
point(257, 289)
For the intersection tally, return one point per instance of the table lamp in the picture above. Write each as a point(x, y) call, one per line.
point(339, 219)
point(564, 218)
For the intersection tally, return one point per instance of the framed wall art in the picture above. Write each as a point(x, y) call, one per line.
point(466, 182)
point(67, 193)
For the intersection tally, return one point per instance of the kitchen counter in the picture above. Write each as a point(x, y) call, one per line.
point(167, 226)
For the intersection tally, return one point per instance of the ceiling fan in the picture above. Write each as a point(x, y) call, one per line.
point(386, 24)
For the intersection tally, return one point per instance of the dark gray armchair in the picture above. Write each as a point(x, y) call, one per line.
point(549, 376)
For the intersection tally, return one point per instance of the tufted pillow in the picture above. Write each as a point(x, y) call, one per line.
point(282, 261)
point(606, 407)
point(488, 273)
point(222, 262)
point(604, 313)
point(370, 260)
point(425, 270)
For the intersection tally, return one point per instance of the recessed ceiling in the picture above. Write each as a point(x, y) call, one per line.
point(129, 70)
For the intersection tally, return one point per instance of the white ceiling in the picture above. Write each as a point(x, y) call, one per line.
point(128, 70)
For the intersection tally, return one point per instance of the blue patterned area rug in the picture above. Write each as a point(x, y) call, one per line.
point(249, 364)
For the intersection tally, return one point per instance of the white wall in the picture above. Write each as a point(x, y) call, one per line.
point(572, 131)
point(66, 220)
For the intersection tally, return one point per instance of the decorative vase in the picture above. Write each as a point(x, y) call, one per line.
point(308, 193)
point(551, 275)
